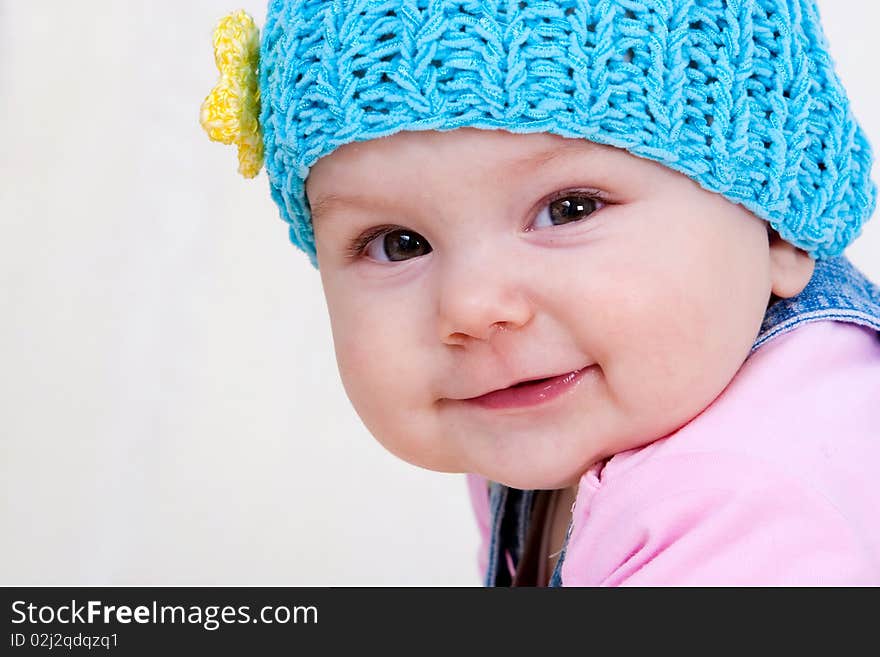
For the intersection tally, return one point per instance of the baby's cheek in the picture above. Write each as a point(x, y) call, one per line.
point(376, 369)
point(389, 396)
point(360, 366)
point(657, 357)
point(669, 385)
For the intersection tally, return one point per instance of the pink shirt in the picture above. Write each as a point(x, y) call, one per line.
point(777, 482)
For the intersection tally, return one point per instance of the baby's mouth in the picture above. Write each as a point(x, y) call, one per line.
point(528, 383)
point(531, 391)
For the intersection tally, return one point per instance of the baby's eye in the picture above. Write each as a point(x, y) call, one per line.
point(395, 245)
point(566, 209)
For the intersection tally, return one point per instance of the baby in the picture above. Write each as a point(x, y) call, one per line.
point(589, 253)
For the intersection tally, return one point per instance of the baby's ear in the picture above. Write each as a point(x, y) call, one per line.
point(790, 267)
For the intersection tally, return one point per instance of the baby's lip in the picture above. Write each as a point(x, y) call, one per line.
point(525, 380)
point(528, 393)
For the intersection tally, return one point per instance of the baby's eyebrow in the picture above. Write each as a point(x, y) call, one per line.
point(325, 204)
point(529, 162)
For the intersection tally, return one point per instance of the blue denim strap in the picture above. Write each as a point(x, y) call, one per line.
point(509, 510)
point(497, 503)
point(836, 291)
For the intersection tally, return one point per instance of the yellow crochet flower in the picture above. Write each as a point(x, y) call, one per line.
point(231, 112)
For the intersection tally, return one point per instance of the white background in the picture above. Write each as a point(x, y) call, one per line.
point(170, 408)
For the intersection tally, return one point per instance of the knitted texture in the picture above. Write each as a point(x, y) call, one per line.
point(740, 95)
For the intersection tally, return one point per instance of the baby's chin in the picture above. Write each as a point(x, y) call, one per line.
point(525, 477)
point(544, 476)
point(531, 481)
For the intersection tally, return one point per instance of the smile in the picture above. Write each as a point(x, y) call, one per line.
point(530, 393)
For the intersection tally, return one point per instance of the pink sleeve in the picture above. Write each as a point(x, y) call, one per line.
point(712, 519)
point(479, 494)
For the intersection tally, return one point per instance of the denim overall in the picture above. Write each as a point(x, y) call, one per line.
point(837, 291)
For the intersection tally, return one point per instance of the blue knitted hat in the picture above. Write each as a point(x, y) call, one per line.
point(739, 95)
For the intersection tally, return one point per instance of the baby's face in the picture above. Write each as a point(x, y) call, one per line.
point(459, 263)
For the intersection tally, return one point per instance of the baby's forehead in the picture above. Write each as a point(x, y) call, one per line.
point(458, 152)
point(435, 166)
point(464, 141)
point(426, 162)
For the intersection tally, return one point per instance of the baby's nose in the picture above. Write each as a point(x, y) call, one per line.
point(476, 303)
